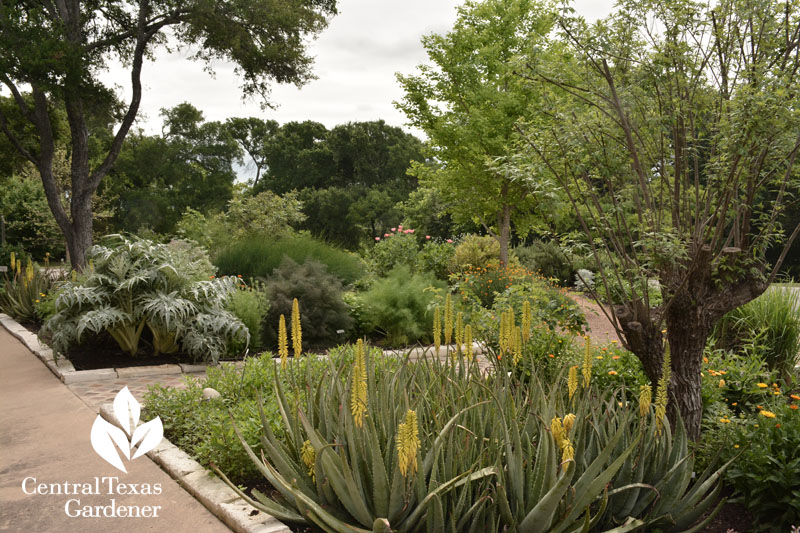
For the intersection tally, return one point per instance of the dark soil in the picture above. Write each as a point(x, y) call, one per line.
point(103, 352)
point(732, 518)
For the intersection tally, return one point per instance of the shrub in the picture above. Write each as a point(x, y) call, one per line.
point(768, 326)
point(392, 250)
point(132, 284)
point(485, 283)
point(436, 257)
point(548, 259)
point(323, 312)
point(396, 307)
point(478, 251)
point(258, 257)
point(250, 305)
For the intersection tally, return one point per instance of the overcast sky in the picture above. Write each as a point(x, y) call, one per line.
point(356, 59)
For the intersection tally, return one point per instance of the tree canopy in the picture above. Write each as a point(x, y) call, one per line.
point(59, 49)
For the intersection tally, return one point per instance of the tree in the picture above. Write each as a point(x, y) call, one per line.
point(297, 157)
point(468, 103)
point(253, 136)
point(58, 49)
point(676, 139)
point(156, 178)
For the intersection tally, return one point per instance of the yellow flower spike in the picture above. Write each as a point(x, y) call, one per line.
point(572, 381)
point(29, 271)
point(74, 276)
point(297, 329)
point(567, 451)
point(309, 457)
point(468, 341)
point(91, 265)
point(569, 421)
point(448, 319)
point(459, 332)
point(517, 344)
point(408, 444)
point(721, 383)
point(557, 429)
point(526, 321)
point(13, 262)
point(662, 392)
point(587, 363)
point(645, 398)
point(358, 393)
point(19, 266)
point(437, 329)
point(283, 343)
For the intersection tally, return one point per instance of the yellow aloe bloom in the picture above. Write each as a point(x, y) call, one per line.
point(448, 319)
point(74, 276)
point(29, 271)
point(587, 363)
point(13, 262)
point(567, 451)
point(408, 444)
point(91, 265)
point(358, 393)
point(645, 398)
point(569, 421)
point(468, 341)
point(437, 329)
point(517, 344)
point(572, 381)
point(557, 429)
point(19, 267)
point(283, 343)
point(309, 457)
point(526, 321)
point(459, 332)
point(662, 392)
point(297, 329)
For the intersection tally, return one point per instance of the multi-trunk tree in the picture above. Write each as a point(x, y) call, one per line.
point(676, 139)
point(57, 50)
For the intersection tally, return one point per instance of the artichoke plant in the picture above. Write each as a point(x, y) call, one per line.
point(132, 284)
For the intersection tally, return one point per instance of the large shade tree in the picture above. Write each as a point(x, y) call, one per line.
point(468, 101)
point(677, 136)
point(58, 49)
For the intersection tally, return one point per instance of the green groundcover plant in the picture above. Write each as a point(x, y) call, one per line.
point(132, 284)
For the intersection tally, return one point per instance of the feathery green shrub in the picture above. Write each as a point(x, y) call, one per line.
point(249, 303)
point(257, 256)
point(324, 315)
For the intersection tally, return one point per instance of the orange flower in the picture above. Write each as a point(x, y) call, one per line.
point(615, 357)
point(612, 372)
point(794, 396)
point(794, 406)
point(551, 356)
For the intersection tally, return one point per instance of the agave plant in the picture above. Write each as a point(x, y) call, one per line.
point(133, 283)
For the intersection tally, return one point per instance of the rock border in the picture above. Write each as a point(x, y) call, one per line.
point(65, 371)
point(206, 488)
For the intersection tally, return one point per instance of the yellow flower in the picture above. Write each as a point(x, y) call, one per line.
point(437, 329)
point(599, 357)
point(37, 301)
point(309, 456)
point(358, 393)
point(526, 321)
point(459, 332)
point(569, 421)
point(572, 380)
point(408, 444)
point(768, 414)
point(297, 329)
point(557, 429)
point(736, 446)
point(587, 363)
point(645, 398)
point(283, 343)
point(448, 319)
point(724, 420)
point(567, 451)
point(721, 383)
point(762, 385)
point(468, 341)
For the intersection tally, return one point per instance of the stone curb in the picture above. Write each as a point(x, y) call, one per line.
point(65, 371)
point(208, 489)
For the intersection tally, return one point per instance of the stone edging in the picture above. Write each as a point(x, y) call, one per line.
point(208, 489)
point(64, 370)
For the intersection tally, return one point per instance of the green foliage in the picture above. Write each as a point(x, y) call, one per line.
point(23, 290)
point(257, 257)
point(486, 282)
point(250, 305)
point(475, 251)
point(548, 259)
point(765, 474)
point(325, 317)
point(393, 249)
point(768, 326)
point(132, 283)
point(264, 214)
point(397, 307)
point(435, 257)
point(28, 222)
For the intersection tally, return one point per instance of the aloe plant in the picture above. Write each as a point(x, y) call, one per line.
point(24, 289)
point(131, 284)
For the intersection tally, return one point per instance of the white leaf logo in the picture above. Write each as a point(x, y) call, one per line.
point(106, 437)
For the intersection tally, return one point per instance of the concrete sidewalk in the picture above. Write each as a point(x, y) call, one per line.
point(44, 434)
